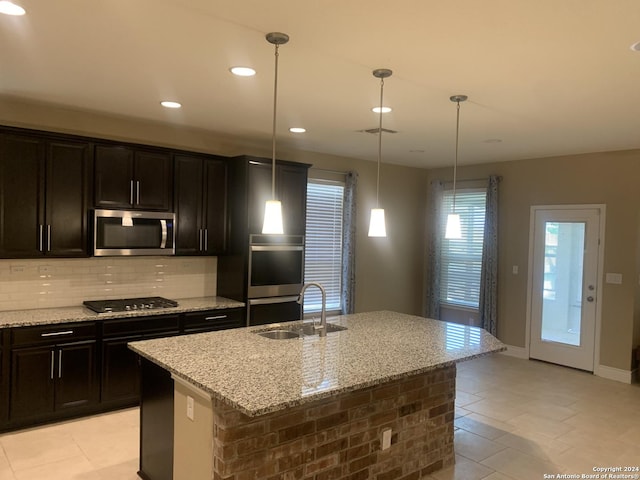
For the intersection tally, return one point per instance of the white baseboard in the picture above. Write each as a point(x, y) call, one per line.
point(617, 374)
point(611, 373)
point(518, 352)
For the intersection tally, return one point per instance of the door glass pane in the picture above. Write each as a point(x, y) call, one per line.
point(562, 282)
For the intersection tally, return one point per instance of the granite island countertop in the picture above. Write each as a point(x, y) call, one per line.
point(257, 375)
point(46, 316)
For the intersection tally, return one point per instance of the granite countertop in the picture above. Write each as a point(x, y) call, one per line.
point(46, 316)
point(257, 375)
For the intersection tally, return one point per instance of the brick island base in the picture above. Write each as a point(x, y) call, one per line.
point(340, 437)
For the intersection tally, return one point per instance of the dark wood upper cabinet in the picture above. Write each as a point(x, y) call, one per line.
point(21, 195)
point(131, 178)
point(44, 193)
point(200, 201)
point(291, 190)
point(68, 187)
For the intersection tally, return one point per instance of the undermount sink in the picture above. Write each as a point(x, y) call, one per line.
point(296, 331)
point(279, 334)
point(309, 328)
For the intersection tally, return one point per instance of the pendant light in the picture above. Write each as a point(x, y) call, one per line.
point(377, 226)
point(453, 230)
point(273, 208)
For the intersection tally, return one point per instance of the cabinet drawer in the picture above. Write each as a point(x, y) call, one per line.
point(53, 334)
point(211, 320)
point(168, 324)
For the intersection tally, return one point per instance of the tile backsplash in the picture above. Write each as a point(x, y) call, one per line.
point(47, 283)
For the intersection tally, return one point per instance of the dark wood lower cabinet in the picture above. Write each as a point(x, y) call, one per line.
point(59, 371)
point(156, 422)
point(50, 379)
point(31, 383)
point(120, 372)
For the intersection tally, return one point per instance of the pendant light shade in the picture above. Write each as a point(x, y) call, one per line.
point(273, 208)
point(273, 217)
point(377, 226)
point(453, 230)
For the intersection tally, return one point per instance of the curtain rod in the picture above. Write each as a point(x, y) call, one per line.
point(337, 172)
point(473, 179)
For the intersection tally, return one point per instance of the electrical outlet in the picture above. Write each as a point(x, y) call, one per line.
point(386, 438)
point(190, 407)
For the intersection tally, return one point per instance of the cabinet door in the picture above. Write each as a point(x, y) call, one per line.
point(215, 206)
point(75, 374)
point(153, 181)
point(188, 204)
point(120, 371)
point(114, 185)
point(21, 196)
point(32, 382)
point(68, 181)
point(292, 192)
point(259, 192)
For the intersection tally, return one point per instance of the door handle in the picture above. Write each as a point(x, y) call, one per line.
point(53, 359)
point(200, 240)
point(59, 363)
point(48, 238)
point(131, 192)
point(206, 239)
point(138, 192)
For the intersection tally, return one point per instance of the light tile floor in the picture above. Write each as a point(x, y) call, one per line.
point(515, 420)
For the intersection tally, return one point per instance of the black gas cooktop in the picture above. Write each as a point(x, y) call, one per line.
point(129, 304)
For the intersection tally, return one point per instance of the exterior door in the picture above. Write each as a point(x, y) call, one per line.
point(564, 287)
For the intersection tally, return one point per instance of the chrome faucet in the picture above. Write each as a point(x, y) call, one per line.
point(322, 330)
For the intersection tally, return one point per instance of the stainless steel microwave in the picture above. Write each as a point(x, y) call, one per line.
point(130, 232)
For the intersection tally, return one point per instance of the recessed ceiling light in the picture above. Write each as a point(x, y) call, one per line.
point(9, 8)
point(168, 104)
point(297, 130)
point(635, 47)
point(384, 109)
point(243, 71)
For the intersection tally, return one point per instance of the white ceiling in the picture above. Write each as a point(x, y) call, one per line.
point(544, 77)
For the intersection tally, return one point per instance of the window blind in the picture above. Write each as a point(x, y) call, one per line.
point(323, 244)
point(461, 259)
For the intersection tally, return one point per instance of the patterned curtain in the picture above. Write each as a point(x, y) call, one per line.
point(349, 244)
point(434, 247)
point(489, 275)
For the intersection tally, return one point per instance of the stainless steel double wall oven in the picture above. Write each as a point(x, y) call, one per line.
point(275, 278)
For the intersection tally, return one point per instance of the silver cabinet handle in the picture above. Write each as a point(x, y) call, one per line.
point(200, 232)
point(55, 334)
point(131, 192)
point(53, 359)
point(138, 192)
point(48, 238)
point(40, 239)
point(217, 317)
point(59, 363)
point(206, 240)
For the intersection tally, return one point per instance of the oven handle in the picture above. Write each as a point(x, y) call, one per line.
point(277, 248)
point(267, 301)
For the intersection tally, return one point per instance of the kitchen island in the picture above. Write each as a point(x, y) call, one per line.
point(374, 401)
